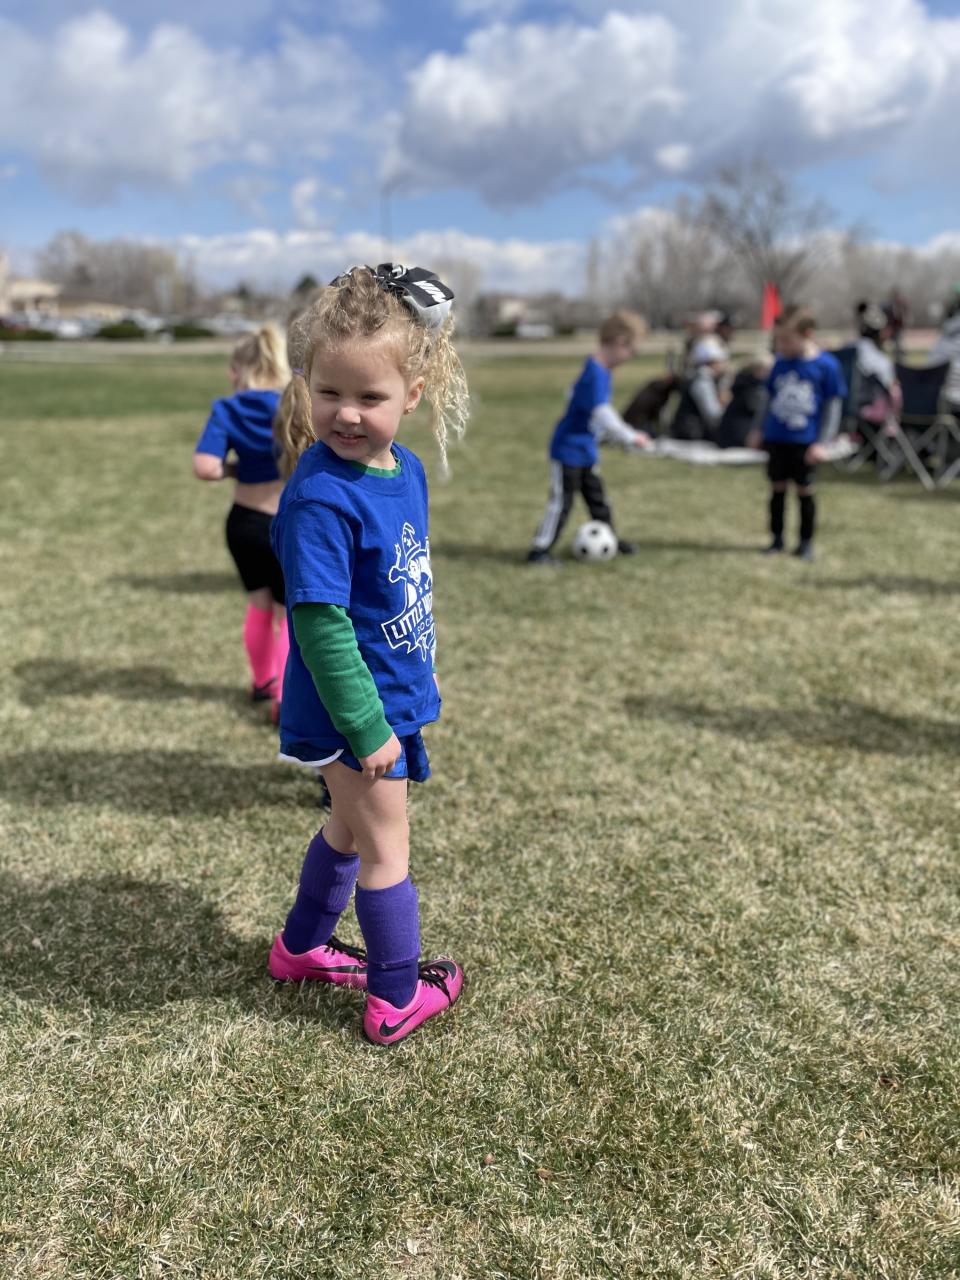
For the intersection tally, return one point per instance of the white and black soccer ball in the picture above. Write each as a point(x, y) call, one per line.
point(594, 541)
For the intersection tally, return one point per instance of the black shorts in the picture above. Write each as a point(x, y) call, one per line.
point(248, 538)
point(786, 462)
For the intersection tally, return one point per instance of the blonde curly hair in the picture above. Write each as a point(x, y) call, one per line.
point(356, 308)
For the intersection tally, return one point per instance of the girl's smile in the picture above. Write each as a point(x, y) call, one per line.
point(357, 397)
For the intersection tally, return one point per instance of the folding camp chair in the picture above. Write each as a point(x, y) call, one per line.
point(873, 442)
point(925, 425)
point(949, 465)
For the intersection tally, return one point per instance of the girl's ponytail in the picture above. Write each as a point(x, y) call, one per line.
point(293, 425)
point(260, 359)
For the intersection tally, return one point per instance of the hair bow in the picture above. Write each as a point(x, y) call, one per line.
point(419, 290)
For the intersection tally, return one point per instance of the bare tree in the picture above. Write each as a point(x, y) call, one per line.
point(766, 224)
point(667, 263)
point(125, 272)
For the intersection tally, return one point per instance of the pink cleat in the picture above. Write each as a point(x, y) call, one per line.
point(333, 962)
point(439, 985)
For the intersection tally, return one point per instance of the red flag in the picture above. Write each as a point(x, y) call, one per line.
point(772, 306)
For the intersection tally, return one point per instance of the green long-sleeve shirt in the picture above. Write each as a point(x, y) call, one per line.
point(328, 646)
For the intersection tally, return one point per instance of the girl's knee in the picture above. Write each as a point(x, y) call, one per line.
point(338, 834)
point(375, 813)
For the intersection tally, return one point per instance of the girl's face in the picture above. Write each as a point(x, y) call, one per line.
point(357, 398)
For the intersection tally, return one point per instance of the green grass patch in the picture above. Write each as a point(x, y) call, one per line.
point(692, 833)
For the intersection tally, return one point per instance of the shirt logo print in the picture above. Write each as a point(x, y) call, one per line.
point(795, 401)
point(413, 628)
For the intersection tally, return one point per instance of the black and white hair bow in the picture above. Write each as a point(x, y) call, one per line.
point(419, 290)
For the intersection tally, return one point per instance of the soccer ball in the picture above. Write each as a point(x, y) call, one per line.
point(594, 541)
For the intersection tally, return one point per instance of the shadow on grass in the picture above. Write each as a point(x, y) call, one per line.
point(120, 943)
point(852, 725)
point(478, 551)
point(50, 678)
point(179, 584)
point(518, 555)
point(888, 584)
point(713, 548)
point(160, 782)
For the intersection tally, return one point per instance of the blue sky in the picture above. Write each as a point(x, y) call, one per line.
point(267, 137)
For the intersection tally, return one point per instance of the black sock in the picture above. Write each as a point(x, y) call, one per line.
point(777, 504)
point(808, 516)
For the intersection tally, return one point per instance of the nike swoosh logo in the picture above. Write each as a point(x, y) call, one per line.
point(387, 1030)
point(337, 968)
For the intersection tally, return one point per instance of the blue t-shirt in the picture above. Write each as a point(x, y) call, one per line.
point(799, 392)
point(347, 537)
point(573, 443)
point(244, 423)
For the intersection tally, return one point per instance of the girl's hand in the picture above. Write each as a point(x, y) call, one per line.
point(815, 453)
point(754, 438)
point(641, 440)
point(382, 760)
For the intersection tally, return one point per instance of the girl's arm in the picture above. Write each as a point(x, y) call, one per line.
point(328, 646)
point(207, 466)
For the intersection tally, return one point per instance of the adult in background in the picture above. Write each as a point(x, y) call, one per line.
point(947, 347)
point(748, 402)
point(701, 403)
point(880, 396)
point(897, 312)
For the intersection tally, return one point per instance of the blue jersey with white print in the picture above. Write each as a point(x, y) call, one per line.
point(244, 423)
point(799, 391)
point(573, 443)
point(347, 536)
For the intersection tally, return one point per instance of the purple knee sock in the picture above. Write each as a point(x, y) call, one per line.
point(390, 923)
point(326, 883)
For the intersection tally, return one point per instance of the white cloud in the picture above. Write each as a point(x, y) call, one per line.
point(522, 111)
point(302, 196)
point(98, 112)
point(249, 191)
point(271, 258)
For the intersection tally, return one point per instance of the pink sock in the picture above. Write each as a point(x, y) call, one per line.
point(258, 642)
point(281, 647)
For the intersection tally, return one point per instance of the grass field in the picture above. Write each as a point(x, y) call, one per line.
point(692, 833)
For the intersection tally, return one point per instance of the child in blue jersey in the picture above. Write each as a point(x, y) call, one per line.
point(242, 424)
point(589, 419)
point(806, 389)
point(352, 537)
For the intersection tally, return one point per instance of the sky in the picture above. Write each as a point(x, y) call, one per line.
point(265, 138)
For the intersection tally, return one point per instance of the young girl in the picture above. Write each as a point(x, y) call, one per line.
point(243, 423)
point(351, 536)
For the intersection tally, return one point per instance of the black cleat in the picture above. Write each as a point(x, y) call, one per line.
point(626, 548)
point(263, 692)
point(804, 551)
point(775, 548)
point(536, 556)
